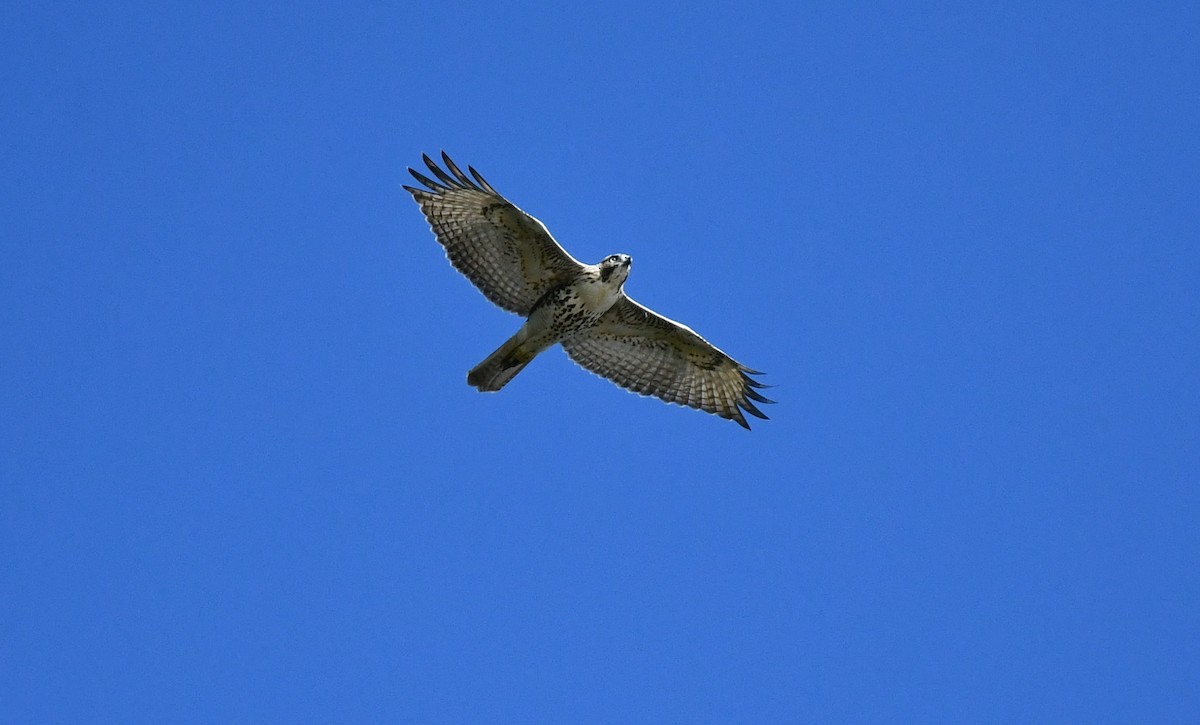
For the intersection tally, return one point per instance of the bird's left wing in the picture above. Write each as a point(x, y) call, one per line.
point(649, 354)
point(505, 252)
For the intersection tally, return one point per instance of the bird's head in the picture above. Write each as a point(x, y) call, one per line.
point(615, 268)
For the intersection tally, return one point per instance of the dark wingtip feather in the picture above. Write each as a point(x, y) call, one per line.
point(458, 174)
point(749, 407)
point(445, 178)
point(755, 395)
point(752, 382)
point(426, 180)
point(482, 181)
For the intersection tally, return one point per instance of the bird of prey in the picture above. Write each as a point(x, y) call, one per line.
point(515, 263)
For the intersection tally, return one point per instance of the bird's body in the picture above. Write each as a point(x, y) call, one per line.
point(566, 309)
point(515, 262)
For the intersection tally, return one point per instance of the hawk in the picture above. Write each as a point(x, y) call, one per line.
point(515, 263)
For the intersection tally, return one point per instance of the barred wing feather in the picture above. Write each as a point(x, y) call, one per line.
point(649, 354)
point(506, 253)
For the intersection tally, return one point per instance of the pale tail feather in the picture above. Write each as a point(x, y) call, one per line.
point(501, 366)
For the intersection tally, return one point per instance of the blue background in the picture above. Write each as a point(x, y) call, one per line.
point(243, 478)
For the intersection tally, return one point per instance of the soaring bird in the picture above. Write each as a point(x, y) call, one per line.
point(515, 263)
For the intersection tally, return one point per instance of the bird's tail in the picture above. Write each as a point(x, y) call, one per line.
point(501, 366)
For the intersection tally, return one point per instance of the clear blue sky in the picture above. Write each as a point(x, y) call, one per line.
point(242, 477)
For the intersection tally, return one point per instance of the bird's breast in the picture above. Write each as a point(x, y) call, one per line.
point(595, 296)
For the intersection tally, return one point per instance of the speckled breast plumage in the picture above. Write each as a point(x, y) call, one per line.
point(569, 312)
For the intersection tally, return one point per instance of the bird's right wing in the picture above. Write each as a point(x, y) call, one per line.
point(506, 253)
point(649, 354)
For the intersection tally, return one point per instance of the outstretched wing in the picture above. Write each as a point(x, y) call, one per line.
point(506, 253)
point(651, 355)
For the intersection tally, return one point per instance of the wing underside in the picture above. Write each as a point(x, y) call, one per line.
point(507, 254)
point(649, 354)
